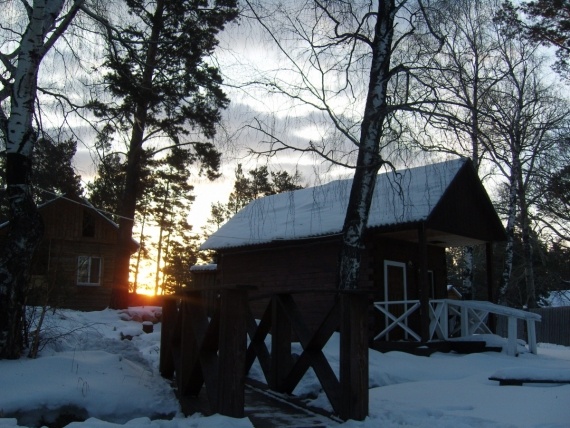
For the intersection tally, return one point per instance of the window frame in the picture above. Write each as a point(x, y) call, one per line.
point(89, 259)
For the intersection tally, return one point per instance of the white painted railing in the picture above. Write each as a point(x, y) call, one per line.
point(458, 318)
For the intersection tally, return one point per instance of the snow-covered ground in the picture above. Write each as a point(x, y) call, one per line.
point(87, 370)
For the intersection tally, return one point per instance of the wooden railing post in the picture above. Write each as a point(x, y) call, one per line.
point(169, 315)
point(232, 352)
point(512, 336)
point(354, 355)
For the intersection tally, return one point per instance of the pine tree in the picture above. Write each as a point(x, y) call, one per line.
point(259, 182)
point(163, 86)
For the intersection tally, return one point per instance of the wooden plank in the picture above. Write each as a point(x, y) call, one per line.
point(521, 381)
point(207, 334)
point(232, 356)
point(281, 360)
point(312, 355)
point(169, 316)
point(354, 356)
point(188, 373)
point(257, 334)
point(424, 283)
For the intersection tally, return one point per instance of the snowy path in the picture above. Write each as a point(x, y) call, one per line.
point(267, 410)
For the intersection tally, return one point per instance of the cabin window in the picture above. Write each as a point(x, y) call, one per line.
point(88, 225)
point(88, 270)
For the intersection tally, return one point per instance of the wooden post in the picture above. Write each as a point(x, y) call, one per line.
point(354, 355)
point(512, 336)
point(280, 346)
point(188, 371)
point(423, 283)
point(169, 316)
point(231, 362)
point(492, 321)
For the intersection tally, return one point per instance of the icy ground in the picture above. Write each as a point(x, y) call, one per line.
point(87, 370)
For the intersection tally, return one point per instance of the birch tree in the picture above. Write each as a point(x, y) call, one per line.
point(465, 73)
point(526, 115)
point(42, 23)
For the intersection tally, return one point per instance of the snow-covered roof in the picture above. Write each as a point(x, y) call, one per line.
point(402, 196)
point(204, 267)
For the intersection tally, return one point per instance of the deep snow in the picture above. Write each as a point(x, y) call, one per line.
point(87, 369)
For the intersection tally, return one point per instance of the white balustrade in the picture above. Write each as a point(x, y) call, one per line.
point(463, 318)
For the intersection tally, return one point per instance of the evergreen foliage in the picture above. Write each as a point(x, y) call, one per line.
point(164, 89)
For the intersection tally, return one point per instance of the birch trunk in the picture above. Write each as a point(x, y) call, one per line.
point(369, 160)
point(527, 246)
point(509, 249)
point(26, 229)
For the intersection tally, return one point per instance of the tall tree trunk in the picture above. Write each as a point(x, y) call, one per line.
point(527, 247)
point(120, 295)
point(467, 273)
point(369, 160)
point(26, 229)
point(159, 249)
point(139, 255)
point(509, 249)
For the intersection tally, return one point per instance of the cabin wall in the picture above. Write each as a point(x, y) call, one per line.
point(380, 249)
point(310, 269)
point(55, 264)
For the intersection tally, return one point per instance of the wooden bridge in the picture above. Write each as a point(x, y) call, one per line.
point(205, 346)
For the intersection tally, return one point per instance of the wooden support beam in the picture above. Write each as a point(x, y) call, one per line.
point(169, 316)
point(423, 283)
point(281, 361)
point(354, 355)
point(257, 334)
point(232, 352)
point(492, 321)
point(312, 355)
point(188, 373)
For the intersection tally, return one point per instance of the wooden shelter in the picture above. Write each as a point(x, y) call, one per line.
point(276, 273)
point(290, 242)
point(73, 267)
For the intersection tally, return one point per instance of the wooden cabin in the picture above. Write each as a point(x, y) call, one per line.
point(290, 242)
point(73, 266)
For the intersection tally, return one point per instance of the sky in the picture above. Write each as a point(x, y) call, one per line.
point(86, 369)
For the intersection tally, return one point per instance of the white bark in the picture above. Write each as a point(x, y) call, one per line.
point(44, 27)
point(369, 160)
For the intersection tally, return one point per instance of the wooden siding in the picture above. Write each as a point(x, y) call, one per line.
point(406, 252)
point(63, 220)
point(466, 210)
point(54, 269)
point(310, 268)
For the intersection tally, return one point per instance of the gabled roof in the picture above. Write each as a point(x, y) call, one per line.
point(400, 197)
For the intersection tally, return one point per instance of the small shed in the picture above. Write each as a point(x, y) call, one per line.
point(290, 242)
point(73, 266)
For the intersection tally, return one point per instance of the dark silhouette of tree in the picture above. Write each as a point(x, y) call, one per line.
point(53, 171)
point(42, 24)
point(162, 87)
point(257, 183)
point(543, 21)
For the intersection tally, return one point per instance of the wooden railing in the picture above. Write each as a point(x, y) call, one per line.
point(201, 349)
point(459, 318)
